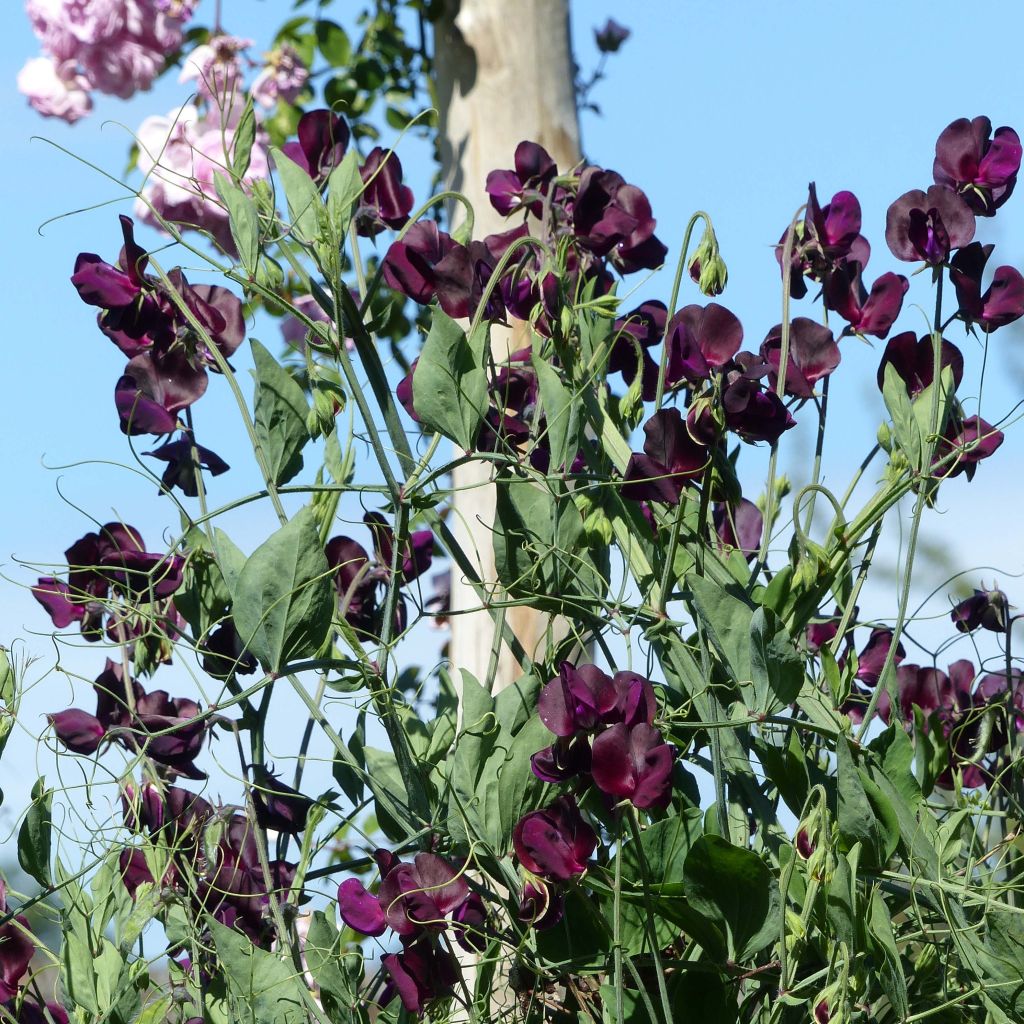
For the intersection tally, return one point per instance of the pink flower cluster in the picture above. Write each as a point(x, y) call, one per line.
point(112, 46)
point(180, 154)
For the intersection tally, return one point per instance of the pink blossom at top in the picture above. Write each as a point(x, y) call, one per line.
point(283, 77)
point(179, 154)
point(116, 47)
point(55, 90)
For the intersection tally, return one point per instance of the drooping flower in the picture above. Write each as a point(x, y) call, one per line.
point(409, 265)
point(633, 762)
point(323, 138)
point(739, 525)
point(526, 185)
point(928, 226)
point(556, 842)
point(223, 653)
point(969, 441)
point(77, 730)
point(979, 166)
point(1002, 302)
point(184, 460)
point(701, 340)
point(385, 201)
point(987, 609)
point(813, 355)
point(671, 459)
point(16, 950)
point(360, 909)
point(415, 557)
point(869, 314)
point(278, 806)
point(633, 335)
point(420, 973)
point(541, 904)
point(914, 360)
point(611, 36)
point(752, 412)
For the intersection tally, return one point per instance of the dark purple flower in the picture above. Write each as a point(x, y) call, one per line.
point(671, 459)
point(701, 340)
point(356, 588)
point(914, 360)
point(322, 142)
point(79, 731)
point(982, 169)
point(563, 760)
point(154, 388)
point(100, 284)
point(611, 36)
point(418, 552)
point(183, 466)
point(823, 632)
point(971, 441)
point(16, 950)
point(928, 225)
point(360, 909)
point(1003, 301)
point(409, 265)
point(813, 354)
point(422, 894)
point(986, 609)
point(385, 201)
point(633, 762)
point(135, 870)
point(634, 334)
point(872, 314)
point(223, 653)
point(54, 596)
point(526, 185)
point(470, 923)
point(461, 277)
point(752, 412)
point(871, 659)
point(576, 700)
point(828, 237)
point(554, 843)
point(419, 973)
point(278, 806)
point(541, 905)
point(611, 218)
point(739, 525)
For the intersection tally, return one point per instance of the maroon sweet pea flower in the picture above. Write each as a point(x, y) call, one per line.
point(356, 587)
point(928, 225)
point(323, 138)
point(1003, 301)
point(541, 905)
point(753, 413)
point(634, 334)
point(635, 763)
point(739, 526)
point(820, 633)
point(462, 275)
point(914, 360)
point(184, 460)
point(79, 731)
point(360, 909)
point(278, 806)
point(16, 950)
point(971, 441)
point(100, 284)
point(420, 973)
point(981, 167)
point(576, 700)
point(154, 388)
point(563, 760)
point(418, 552)
point(671, 459)
point(867, 314)
point(555, 843)
point(526, 185)
point(985, 609)
point(828, 237)
point(421, 895)
point(871, 659)
point(470, 924)
point(611, 36)
point(700, 341)
point(385, 202)
point(813, 354)
point(223, 653)
point(613, 219)
point(409, 265)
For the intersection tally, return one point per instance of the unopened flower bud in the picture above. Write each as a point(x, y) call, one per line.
point(708, 269)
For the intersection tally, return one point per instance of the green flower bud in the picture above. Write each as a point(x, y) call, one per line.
point(707, 268)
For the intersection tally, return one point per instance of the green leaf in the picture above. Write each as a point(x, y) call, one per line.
point(244, 138)
point(449, 386)
point(891, 976)
point(334, 44)
point(9, 697)
point(284, 597)
point(775, 666)
point(305, 206)
point(34, 837)
point(561, 414)
point(344, 187)
point(666, 845)
point(244, 220)
point(280, 416)
point(727, 616)
point(338, 975)
point(264, 988)
point(692, 996)
point(864, 814)
point(905, 428)
point(734, 888)
point(519, 790)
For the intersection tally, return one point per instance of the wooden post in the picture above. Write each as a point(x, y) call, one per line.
point(504, 73)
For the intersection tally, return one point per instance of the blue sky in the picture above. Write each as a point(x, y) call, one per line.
point(731, 107)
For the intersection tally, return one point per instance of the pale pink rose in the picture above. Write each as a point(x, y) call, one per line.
point(122, 67)
point(282, 78)
point(180, 155)
point(55, 91)
point(216, 69)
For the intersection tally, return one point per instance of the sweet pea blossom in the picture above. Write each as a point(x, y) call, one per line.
point(321, 144)
point(867, 314)
point(526, 185)
point(979, 166)
point(635, 763)
point(671, 459)
point(987, 609)
point(739, 525)
point(928, 226)
point(813, 355)
point(385, 202)
point(701, 340)
point(556, 842)
point(913, 359)
point(1002, 302)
